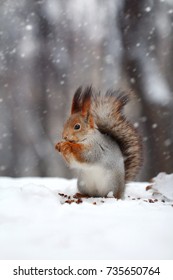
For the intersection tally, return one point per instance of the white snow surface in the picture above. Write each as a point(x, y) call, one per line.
point(36, 223)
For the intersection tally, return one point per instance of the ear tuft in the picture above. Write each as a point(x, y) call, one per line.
point(82, 100)
point(86, 100)
point(76, 102)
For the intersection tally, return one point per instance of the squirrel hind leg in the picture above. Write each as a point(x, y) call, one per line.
point(118, 191)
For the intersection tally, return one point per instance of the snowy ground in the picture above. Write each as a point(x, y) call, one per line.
point(37, 223)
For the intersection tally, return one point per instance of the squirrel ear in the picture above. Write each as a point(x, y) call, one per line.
point(86, 106)
point(76, 102)
point(86, 101)
point(82, 102)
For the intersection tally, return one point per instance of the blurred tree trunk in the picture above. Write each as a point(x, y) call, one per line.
point(50, 87)
point(141, 62)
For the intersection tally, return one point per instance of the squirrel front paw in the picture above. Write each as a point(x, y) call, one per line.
point(71, 151)
point(63, 147)
point(58, 146)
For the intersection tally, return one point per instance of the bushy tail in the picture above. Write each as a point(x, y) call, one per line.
point(109, 118)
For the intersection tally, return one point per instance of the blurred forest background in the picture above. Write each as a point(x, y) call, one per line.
point(50, 47)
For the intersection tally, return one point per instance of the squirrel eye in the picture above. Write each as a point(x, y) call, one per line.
point(77, 126)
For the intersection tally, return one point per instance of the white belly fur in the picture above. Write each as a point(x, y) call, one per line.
point(95, 180)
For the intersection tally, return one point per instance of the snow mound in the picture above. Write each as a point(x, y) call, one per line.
point(162, 185)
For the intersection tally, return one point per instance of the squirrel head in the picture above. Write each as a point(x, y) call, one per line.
point(81, 122)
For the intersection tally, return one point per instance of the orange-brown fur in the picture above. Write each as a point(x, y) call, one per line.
point(71, 151)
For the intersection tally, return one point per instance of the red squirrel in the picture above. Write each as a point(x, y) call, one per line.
point(100, 142)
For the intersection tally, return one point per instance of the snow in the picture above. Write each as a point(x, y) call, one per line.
point(167, 142)
point(36, 223)
point(163, 185)
point(138, 45)
point(148, 9)
point(154, 125)
point(29, 27)
point(156, 88)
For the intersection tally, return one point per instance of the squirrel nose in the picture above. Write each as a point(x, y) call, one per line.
point(65, 136)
